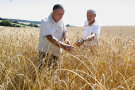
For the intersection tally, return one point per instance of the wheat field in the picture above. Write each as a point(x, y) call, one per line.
point(111, 67)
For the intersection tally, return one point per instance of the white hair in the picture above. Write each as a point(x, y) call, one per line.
point(91, 11)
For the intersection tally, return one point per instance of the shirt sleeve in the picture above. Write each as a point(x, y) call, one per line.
point(45, 28)
point(85, 23)
point(64, 28)
point(85, 33)
point(97, 29)
point(85, 30)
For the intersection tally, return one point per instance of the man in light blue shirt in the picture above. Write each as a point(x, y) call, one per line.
point(91, 31)
point(52, 34)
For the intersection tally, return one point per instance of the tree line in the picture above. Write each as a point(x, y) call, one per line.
point(15, 23)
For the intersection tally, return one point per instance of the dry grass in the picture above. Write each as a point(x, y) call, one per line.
point(111, 67)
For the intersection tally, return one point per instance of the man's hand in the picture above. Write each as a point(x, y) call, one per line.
point(68, 48)
point(68, 42)
point(65, 35)
point(79, 43)
point(57, 43)
point(91, 37)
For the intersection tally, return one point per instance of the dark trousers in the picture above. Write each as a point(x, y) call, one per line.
point(49, 60)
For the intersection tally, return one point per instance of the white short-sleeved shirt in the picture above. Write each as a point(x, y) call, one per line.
point(50, 27)
point(88, 30)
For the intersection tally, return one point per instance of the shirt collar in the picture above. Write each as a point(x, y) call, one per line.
point(90, 25)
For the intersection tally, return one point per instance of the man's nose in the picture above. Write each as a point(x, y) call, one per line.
point(61, 16)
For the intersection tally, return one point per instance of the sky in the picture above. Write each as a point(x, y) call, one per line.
point(109, 12)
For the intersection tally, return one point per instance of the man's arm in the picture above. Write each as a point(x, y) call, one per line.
point(89, 38)
point(57, 43)
point(65, 36)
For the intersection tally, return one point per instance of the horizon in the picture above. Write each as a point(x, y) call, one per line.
point(112, 13)
point(78, 26)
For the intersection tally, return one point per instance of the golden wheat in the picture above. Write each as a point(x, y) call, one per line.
point(112, 66)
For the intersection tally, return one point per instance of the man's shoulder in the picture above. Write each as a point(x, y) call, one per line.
point(44, 20)
point(96, 24)
point(86, 23)
point(61, 22)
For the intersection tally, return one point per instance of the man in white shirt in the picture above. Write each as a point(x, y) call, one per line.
point(91, 31)
point(52, 33)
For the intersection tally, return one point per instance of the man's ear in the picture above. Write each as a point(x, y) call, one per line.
point(53, 12)
point(95, 15)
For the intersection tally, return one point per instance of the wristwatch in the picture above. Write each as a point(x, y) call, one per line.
point(83, 40)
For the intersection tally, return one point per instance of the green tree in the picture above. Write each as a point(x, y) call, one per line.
point(16, 22)
point(1, 18)
point(67, 25)
point(18, 25)
point(6, 23)
point(33, 25)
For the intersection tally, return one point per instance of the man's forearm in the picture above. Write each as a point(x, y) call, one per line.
point(57, 43)
point(65, 35)
point(90, 38)
point(54, 41)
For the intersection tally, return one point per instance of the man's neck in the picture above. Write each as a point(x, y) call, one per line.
point(90, 23)
point(54, 18)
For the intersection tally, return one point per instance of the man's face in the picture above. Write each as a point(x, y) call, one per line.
point(90, 17)
point(58, 14)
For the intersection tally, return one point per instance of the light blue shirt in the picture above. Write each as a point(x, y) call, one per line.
point(50, 27)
